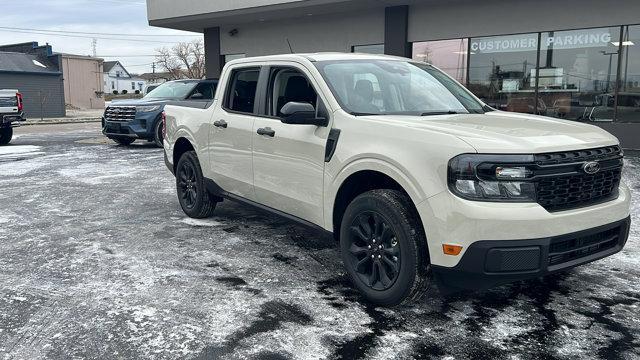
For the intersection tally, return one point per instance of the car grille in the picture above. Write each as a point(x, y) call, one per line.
point(565, 250)
point(120, 113)
point(563, 185)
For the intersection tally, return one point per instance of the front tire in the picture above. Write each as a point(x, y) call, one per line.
point(157, 137)
point(194, 198)
point(6, 134)
point(124, 141)
point(383, 248)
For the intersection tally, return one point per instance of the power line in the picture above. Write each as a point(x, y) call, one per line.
point(94, 33)
point(91, 37)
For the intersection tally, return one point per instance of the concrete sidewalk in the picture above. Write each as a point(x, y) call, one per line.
point(73, 116)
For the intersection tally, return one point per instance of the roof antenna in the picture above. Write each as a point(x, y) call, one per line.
point(289, 43)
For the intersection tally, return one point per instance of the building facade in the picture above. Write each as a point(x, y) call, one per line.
point(117, 79)
point(83, 83)
point(571, 59)
point(36, 72)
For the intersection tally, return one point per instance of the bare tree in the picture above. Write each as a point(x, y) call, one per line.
point(185, 59)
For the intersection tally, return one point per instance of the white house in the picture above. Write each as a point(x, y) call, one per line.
point(117, 78)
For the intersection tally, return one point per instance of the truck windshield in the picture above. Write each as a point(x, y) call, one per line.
point(391, 87)
point(172, 90)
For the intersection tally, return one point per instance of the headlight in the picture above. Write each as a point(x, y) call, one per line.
point(148, 108)
point(500, 178)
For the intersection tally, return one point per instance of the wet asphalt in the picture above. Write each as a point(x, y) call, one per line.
point(98, 261)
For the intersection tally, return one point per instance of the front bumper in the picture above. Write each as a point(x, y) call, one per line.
point(490, 263)
point(142, 127)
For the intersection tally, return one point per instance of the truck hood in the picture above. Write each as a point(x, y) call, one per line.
point(140, 102)
point(502, 132)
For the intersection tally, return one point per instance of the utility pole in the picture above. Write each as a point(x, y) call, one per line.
point(94, 46)
point(153, 67)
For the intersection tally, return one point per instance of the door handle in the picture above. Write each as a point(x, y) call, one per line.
point(267, 131)
point(220, 123)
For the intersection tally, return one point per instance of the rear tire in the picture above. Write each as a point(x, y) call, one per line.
point(124, 141)
point(6, 134)
point(384, 249)
point(157, 138)
point(193, 195)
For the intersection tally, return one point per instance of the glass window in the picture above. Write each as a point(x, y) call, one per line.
point(368, 49)
point(241, 93)
point(172, 90)
point(377, 87)
point(133, 86)
point(629, 92)
point(289, 85)
point(449, 56)
point(502, 72)
point(578, 73)
point(230, 57)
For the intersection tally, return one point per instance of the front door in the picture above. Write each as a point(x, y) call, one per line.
point(288, 160)
point(231, 134)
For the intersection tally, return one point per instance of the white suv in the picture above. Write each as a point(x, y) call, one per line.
point(415, 176)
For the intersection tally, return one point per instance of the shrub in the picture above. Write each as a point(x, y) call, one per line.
point(115, 92)
point(124, 92)
point(137, 92)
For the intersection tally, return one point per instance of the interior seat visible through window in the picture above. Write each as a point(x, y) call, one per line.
point(289, 85)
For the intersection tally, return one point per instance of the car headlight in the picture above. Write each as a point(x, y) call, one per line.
point(148, 108)
point(500, 178)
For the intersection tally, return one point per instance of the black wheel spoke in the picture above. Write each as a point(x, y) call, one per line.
point(373, 251)
point(384, 277)
point(357, 250)
point(358, 232)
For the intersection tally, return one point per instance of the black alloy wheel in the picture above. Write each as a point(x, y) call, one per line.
point(193, 195)
point(384, 247)
point(187, 184)
point(374, 250)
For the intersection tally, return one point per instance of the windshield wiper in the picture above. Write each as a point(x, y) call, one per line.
point(355, 113)
point(448, 112)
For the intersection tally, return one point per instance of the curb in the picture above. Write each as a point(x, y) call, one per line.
point(61, 122)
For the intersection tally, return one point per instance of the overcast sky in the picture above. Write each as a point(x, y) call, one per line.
point(128, 17)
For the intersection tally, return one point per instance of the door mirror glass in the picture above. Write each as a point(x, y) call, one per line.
point(301, 113)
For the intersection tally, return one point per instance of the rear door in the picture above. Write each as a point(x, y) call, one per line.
point(231, 133)
point(288, 160)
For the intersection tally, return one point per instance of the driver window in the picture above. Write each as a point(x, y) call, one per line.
point(203, 91)
point(289, 85)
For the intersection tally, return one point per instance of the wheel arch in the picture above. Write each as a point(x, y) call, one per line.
point(361, 179)
point(181, 146)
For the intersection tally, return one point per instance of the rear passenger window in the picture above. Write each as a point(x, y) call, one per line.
point(241, 95)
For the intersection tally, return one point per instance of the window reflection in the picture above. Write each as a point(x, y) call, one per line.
point(578, 73)
point(629, 92)
point(449, 56)
point(502, 72)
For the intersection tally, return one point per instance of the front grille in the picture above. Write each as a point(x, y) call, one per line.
point(577, 156)
point(565, 250)
point(563, 185)
point(120, 113)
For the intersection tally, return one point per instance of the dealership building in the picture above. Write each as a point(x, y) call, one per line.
point(570, 59)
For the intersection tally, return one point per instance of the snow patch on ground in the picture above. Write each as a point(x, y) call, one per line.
point(6, 151)
point(201, 222)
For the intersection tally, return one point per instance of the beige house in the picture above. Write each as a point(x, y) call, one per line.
point(83, 81)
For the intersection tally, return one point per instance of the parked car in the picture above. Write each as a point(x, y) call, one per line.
point(424, 181)
point(11, 114)
point(628, 108)
point(127, 120)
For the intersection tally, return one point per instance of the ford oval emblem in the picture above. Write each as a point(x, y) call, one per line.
point(591, 167)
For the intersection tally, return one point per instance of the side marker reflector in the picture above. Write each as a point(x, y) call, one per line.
point(449, 249)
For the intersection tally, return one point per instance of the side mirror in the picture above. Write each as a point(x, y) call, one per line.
point(299, 113)
point(196, 96)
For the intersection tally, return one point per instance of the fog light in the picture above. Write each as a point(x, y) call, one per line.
point(450, 249)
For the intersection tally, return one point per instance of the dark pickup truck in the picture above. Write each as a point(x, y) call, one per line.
point(127, 120)
point(11, 114)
